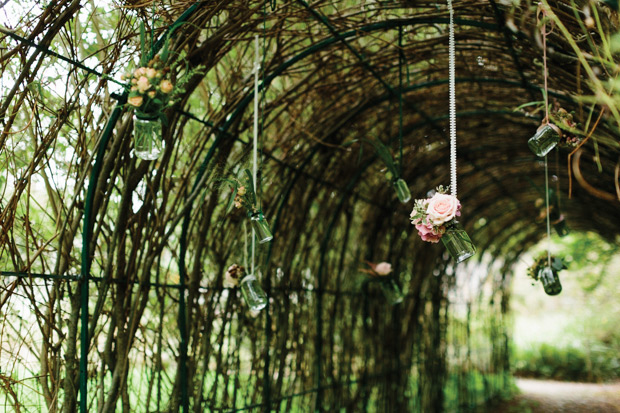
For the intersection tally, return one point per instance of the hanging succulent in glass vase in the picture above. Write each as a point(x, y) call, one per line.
point(435, 218)
point(393, 172)
point(545, 269)
point(546, 138)
point(382, 273)
point(244, 195)
point(252, 292)
point(561, 131)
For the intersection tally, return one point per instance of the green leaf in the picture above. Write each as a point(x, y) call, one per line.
point(232, 199)
point(144, 54)
point(163, 118)
point(384, 153)
point(614, 43)
point(250, 189)
point(529, 104)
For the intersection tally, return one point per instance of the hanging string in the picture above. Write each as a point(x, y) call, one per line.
point(452, 70)
point(400, 100)
point(543, 32)
point(548, 218)
point(245, 244)
point(255, 141)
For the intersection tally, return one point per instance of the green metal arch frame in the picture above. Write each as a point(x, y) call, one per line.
point(88, 218)
point(240, 108)
point(87, 230)
point(85, 271)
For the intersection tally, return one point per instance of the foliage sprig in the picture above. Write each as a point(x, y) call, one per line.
point(557, 264)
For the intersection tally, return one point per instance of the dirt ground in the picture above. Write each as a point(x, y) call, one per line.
point(540, 396)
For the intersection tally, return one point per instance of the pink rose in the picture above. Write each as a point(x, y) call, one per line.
point(442, 208)
point(383, 268)
point(428, 233)
point(431, 238)
point(150, 72)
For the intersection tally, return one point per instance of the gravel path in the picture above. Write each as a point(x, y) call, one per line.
point(541, 396)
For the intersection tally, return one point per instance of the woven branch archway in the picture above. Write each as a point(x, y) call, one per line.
point(163, 333)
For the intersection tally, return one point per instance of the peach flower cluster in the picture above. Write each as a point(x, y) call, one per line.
point(431, 216)
point(150, 89)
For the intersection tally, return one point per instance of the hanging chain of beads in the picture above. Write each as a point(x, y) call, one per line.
point(452, 75)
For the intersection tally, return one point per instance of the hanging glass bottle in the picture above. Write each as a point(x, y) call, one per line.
point(391, 291)
point(402, 190)
point(458, 243)
point(147, 136)
point(546, 138)
point(253, 293)
point(550, 281)
point(261, 227)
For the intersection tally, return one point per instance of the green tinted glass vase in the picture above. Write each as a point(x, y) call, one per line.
point(545, 139)
point(550, 281)
point(253, 293)
point(458, 243)
point(147, 137)
point(391, 291)
point(261, 228)
point(402, 190)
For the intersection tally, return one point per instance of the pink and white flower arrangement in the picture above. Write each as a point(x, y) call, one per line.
point(432, 216)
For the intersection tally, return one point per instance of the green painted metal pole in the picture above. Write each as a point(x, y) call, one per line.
point(85, 270)
point(88, 224)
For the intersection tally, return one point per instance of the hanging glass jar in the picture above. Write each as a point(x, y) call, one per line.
point(391, 291)
point(253, 293)
point(147, 136)
point(550, 281)
point(402, 190)
point(560, 226)
point(458, 243)
point(261, 227)
point(546, 138)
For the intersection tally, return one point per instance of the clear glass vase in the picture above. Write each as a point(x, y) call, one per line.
point(458, 243)
point(550, 281)
point(253, 293)
point(546, 138)
point(391, 291)
point(147, 137)
point(402, 190)
point(261, 228)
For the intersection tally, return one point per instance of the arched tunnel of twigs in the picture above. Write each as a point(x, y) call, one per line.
point(115, 291)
